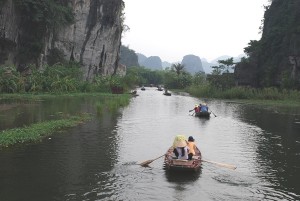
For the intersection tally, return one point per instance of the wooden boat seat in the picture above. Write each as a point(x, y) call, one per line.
point(182, 162)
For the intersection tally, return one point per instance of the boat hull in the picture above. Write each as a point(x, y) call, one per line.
point(173, 164)
point(202, 114)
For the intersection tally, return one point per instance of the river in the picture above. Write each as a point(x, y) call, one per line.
point(98, 160)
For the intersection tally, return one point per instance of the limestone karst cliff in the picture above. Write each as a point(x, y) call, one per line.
point(274, 60)
point(85, 31)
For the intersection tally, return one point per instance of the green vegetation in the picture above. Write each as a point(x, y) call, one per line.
point(37, 18)
point(128, 57)
point(112, 102)
point(38, 131)
point(274, 59)
point(56, 79)
point(246, 93)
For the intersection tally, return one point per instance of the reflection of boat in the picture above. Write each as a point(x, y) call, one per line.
point(202, 114)
point(172, 163)
point(191, 176)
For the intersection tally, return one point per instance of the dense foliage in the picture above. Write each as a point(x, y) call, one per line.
point(272, 57)
point(128, 57)
point(38, 17)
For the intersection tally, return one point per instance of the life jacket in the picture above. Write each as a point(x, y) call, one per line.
point(192, 147)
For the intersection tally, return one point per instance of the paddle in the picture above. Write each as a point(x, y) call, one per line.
point(193, 112)
point(221, 164)
point(213, 113)
point(146, 163)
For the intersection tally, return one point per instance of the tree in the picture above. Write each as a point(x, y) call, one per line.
point(226, 64)
point(178, 67)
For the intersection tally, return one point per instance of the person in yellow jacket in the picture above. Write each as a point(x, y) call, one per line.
point(192, 147)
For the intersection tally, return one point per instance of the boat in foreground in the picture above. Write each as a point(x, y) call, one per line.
point(172, 163)
point(202, 114)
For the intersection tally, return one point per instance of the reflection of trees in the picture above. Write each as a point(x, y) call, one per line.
point(29, 112)
point(277, 147)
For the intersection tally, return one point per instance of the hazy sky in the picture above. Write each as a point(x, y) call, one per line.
point(172, 29)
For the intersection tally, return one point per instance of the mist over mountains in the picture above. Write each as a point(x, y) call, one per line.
point(192, 63)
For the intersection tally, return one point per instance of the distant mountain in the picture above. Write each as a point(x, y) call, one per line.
point(152, 62)
point(141, 58)
point(166, 64)
point(128, 57)
point(207, 65)
point(192, 64)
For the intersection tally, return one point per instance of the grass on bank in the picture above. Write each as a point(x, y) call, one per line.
point(41, 96)
point(39, 131)
point(244, 93)
point(113, 102)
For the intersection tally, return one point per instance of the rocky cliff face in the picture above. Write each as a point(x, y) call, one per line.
point(274, 60)
point(192, 64)
point(93, 39)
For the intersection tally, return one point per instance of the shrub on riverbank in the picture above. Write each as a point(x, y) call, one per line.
point(113, 102)
point(38, 131)
point(58, 78)
point(209, 91)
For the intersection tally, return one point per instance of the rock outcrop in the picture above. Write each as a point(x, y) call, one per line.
point(192, 64)
point(274, 59)
point(93, 39)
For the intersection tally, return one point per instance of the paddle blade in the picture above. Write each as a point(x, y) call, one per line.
point(146, 163)
point(233, 167)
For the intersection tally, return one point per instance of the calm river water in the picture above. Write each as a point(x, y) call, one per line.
point(98, 159)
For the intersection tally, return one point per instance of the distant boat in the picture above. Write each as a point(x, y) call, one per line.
point(167, 93)
point(202, 114)
point(143, 88)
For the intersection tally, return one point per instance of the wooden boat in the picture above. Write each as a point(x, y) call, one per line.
point(202, 114)
point(174, 164)
point(143, 88)
point(167, 94)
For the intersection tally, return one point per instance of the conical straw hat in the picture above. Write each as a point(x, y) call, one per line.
point(179, 141)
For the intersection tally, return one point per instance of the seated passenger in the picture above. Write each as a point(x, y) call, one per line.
point(192, 147)
point(181, 149)
point(204, 108)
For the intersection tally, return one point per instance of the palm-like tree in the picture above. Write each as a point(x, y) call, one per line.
point(178, 67)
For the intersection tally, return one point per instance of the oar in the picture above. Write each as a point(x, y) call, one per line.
point(221, 164)
point(193, 112)
point(146, 163)
point(213, 113)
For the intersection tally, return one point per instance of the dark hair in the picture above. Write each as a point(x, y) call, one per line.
point(191, 139)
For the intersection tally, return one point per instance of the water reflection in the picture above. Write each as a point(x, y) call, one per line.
point(98, 160)
point(181, 177)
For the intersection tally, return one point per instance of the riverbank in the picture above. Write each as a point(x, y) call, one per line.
point(35, 131)
point(268, 98)
point(38, 131)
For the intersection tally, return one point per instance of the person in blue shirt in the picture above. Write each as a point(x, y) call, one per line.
point(204, 107)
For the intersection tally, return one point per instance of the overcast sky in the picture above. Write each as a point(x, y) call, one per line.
point(172, 29)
